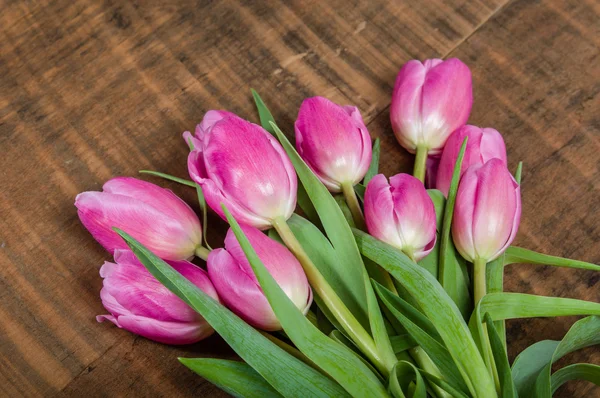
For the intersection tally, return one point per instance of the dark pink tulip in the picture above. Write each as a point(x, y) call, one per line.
point(139, 303)
point(401, 214)
point(487, 211)
point(241, 165)
point(155, 216)
point(238, 287)
point(334, 141)
point(483, 144)
point(432, 165)
point(430, 101)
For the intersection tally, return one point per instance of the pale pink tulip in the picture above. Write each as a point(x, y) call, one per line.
point(241, 165)
point(401, 214)
point(430, 101)
point(238, 288)
point(483, 144)
point(140, 304)
point(155, 216)
point(487, 211)
point(334, 141)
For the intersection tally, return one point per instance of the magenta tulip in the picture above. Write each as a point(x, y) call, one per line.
point(139, 303)
point(401, 214)
point(430, 101)
point(238, 287)
point(155, 216)
point(241, 165)
point(483, 144)
point(487, 211)
point(334, 141)
point(432, 165)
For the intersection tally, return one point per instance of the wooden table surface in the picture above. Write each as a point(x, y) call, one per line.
point(90, 90)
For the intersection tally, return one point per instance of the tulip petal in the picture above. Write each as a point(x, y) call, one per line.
point(334, 141)
point(405, 109)
point(173, 333)
point(495, 208)
point(100, 212)
point(379, 211)
point(240, 291)
point(446, 101)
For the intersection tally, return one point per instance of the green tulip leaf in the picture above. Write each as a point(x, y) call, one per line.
point(424, 334)
point(430, 262)
point(288, 375)
point(235, 378)
point(507, 386)
point(339, 337)
point(519, 255)
point(374, 165)
point(342, 365)
point(169, 177)
point(334, 223)
point(360, 191)
point(452, 272)
point(406, 381)
point(494, 275)
point(578, 371)
point(402, 342)
point(438, 307)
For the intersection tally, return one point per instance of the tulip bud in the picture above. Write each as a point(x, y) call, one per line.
point(234, 278)
point(241, 165)
point(155, 216)
point(401, 214)
point(333, 141)
point(139, 303)
point(483, 144)
point(430, 101)
point(487, 211)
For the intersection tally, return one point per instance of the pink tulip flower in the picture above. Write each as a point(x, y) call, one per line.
point(487, 211)
point(241, 165)
point(430, 101)
point(140, 304)
point(155, 216)
point(238, 288)
point(334, 141)
point(483, 144)
point(401, 214)
point(432, 164)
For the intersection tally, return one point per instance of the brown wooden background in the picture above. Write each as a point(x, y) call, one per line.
point(90, 90)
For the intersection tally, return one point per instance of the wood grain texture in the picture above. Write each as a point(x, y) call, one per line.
point(91, 90)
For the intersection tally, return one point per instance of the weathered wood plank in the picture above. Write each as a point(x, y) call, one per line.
point(90, 90)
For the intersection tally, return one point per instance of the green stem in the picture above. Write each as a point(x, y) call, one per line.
point(202, 252)
point(339, 310)
point(420, 163)
point(479, 287)
point(354, 206)
point(424, 362)
point(480, 290)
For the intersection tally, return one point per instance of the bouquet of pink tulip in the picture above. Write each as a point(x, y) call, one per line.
point(406, 281)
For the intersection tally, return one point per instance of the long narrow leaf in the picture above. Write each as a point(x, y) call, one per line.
point(406, 381)
point(288, 375)
point(501, 359)
point(337, 229)
point(374, 165)
point(235, 378)
point(325, 258)
point(583, 333)
point(524, 256)
point(451, 268)
point(494, 280)
point(578, 371)
point(438, 307)
point(169, 177)
point(335, 360)
point(417, 330)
